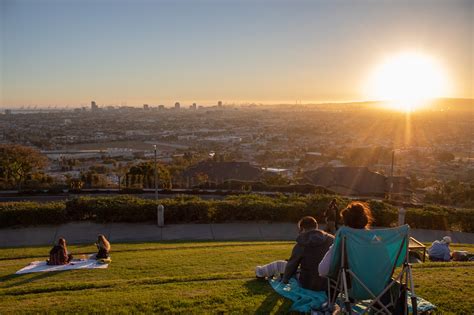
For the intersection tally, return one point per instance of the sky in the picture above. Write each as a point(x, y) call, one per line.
point(69, 52)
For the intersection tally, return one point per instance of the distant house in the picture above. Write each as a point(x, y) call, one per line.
point(218, 172)
point(356, 181)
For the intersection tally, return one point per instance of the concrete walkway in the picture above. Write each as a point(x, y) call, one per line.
point(86, 232)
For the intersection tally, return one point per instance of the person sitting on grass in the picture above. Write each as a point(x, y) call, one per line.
point(439, 250)
point(103, 246)
point(58, 255)
point(356, 215)
point(311, 245)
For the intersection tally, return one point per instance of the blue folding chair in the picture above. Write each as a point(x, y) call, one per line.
point(362, 269)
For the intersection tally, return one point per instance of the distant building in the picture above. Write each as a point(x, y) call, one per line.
point(357, 181)
point(177, 105)
point(194, 106)
point(146, 107)
point(8, 111)
point(220, 171)
point(161, 107)
point(219, 104)
point(94, 106)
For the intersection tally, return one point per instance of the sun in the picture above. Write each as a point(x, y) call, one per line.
point(407, 81)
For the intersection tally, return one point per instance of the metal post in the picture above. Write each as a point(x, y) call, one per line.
point(401, 216)
point(391, 176)
point(156, 177)
point(160, 210)
point(160, 214)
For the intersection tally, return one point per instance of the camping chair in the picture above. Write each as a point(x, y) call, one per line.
point(362, 269)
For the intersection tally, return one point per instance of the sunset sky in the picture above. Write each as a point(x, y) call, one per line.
point(71, 52)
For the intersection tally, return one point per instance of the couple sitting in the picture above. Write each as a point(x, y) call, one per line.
point(59, 254)
point(313, 250)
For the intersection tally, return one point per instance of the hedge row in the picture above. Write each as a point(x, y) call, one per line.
point(32, 213)
point(188, 209)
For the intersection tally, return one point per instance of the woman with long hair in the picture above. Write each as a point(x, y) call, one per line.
point(103, 246)
point(356, 215)
point(59, 255)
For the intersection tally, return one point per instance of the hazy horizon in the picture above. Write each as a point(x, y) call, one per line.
point(69, 53)
point(185, 105)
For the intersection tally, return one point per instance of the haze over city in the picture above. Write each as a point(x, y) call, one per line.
point(66, 53)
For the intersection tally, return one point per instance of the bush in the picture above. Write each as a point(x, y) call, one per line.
point(31, 213)
point(384, 214)
point(111, 209)
point(427, 219)
point(248, 207)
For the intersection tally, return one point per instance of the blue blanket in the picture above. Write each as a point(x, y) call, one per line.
point(303, 299)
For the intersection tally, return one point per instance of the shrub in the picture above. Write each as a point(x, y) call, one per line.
point(427, 219)
point(31, 213)
point(111, 209)
point(247, 207)
point(384, 214)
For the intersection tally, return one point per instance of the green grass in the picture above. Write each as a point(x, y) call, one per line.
point(188, 277)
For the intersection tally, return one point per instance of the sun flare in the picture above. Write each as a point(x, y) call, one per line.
point(407, 81)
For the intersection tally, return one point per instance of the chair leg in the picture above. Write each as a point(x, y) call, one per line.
point(347, 303)
point(347, 306)
point(414, 303)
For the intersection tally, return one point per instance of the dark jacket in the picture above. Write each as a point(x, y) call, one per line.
point(308, 252)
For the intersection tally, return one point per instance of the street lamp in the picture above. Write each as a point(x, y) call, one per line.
point(156, 177)
point(160, 209)
point(391, 176)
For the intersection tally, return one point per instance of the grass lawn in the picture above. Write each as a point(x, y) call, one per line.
point(188, 277)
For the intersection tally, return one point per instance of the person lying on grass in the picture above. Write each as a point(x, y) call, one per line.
point(311, 245)
point(59, 255)
point(103, 246)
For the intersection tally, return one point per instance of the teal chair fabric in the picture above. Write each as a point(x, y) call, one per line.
point(371, 256)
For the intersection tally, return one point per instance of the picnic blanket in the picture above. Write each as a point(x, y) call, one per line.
point(303, 300)
point(422, 305)
point(42, 266)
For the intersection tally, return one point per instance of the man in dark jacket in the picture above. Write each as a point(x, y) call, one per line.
point(311, 246)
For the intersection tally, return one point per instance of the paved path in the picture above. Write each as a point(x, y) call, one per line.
point(86, 232)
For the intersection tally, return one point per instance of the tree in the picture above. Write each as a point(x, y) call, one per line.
point(143, 174)
point(17, 162)
point(120, 170)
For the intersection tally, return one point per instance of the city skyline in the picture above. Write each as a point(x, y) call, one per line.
point(162, 52)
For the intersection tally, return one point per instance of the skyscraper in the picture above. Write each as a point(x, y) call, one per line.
point(94, 106)
point(177, 105)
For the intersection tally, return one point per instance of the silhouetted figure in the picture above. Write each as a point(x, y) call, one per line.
point(331, 217)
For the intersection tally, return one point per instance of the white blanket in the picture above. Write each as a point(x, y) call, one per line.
point(41, 266)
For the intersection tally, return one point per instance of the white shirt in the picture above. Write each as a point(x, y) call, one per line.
point(325, 263)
